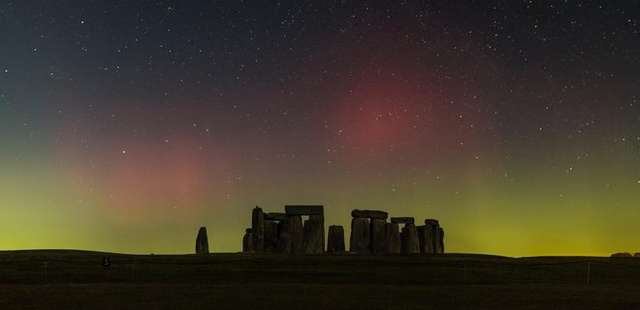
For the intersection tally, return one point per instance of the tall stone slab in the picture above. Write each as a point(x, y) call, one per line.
point(336, 239)
point(270, 236)
point(313, 241)
point(296, 233)
point(410, 243)
point(440, 244)
point(257, 229)
point(360, 240)
point(247, 241)
point(202, 242)
point(284, 237)
point(377, 235)
point(392, 241)
point(421, 230)
point(434, 237)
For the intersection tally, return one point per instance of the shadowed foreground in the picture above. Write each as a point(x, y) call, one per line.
point(78, 280)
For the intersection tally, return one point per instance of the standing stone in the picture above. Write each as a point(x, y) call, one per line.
point(440, 241)
point(410, 243)
point(434, 237)
point(257, 229)
point(294, 226)
point(360, 240)
point(284, 237)
point(377, 235)
point(421, 230)
point(202, 242)
point(270, 236)
point(392, 241)
point(247, 241)
point(336, 239)
point(313, 236)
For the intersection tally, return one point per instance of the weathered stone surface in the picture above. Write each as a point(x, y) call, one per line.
point(294, 226)
point(275, 216)
point(257, 229)
point(377, 236)
point(372, 214)
point(336, 239)
point(410, 243)
point(247, 242)
point(620, 255)
point(432, 239)
point(202, 242)
point(403, 220)
point(440, 241)
point(284, 237)
point(360, 240)
point(421, 237)
point(392, 241)
point(313, 242)
point(304, 210)
point(270, 236)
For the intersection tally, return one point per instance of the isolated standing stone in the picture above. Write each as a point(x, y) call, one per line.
point(360, 240)
point(377, 235)
point(336, 239)
point(313, 235)
point(392, 241)
point(202, 242)
point(294, 226)
point(257, 229)
point(410, 243)
point(247, 241)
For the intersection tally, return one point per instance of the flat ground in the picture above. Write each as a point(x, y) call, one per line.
point(78, 280)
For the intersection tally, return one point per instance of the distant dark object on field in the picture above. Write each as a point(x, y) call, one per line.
point(621, 254)
point(202, 242)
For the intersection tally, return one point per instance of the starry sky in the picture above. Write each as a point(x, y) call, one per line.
point(126, 125)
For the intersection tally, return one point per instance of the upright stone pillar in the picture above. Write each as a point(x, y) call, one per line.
point(247, 241)
point(392, 241)
point(410, 243)
point(336, 239)
point(284, 237)
point(270, 236)
point(202, 242)
point(434, 237)
point(360, 240)
point(296, 234)
point(313, 235)
point(377, 235)
point(257, 229)
point(440, 248)
point(422, 232)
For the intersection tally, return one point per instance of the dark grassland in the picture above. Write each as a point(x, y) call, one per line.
point(78, 280)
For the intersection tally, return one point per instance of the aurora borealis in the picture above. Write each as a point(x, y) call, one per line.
point(126, 125)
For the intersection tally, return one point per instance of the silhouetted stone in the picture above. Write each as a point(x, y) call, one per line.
point(372, 214)
point(275, 216)
point(360, 240)
point(313, 242)
point(257, 229)
point(304, 210)
point(202, 242)
point(377, 236)
point(392, 241)
point(621, 255)
point(336, 239)
point(432, 239)
point(270, 236)
point(247, 241)
point(422, 232)
point(410, 243)
point(284, 237)
point(294, 226)
point(403, 220)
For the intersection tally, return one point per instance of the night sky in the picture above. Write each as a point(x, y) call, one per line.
point(126, 125)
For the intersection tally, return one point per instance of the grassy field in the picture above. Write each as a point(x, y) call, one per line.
point(78, 280)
